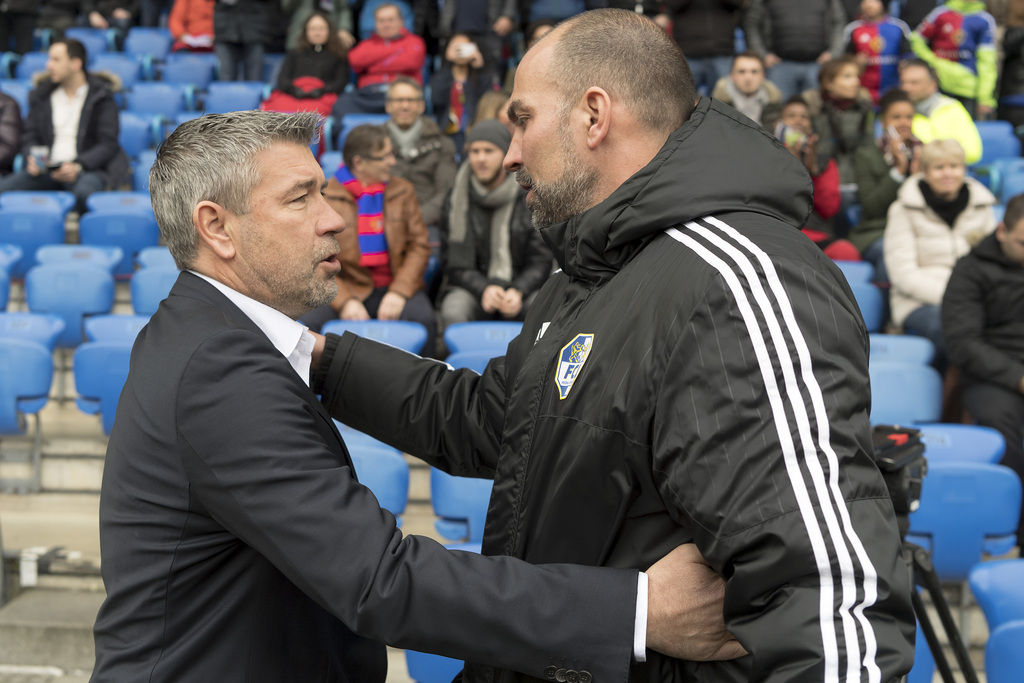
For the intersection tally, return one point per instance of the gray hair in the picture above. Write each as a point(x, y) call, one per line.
point(631, 58)
point(213, 158)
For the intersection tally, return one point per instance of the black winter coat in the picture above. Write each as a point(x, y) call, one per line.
point(696, 371)
point(983, 316)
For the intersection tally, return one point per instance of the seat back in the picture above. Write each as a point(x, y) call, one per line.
point(101, 369)
point(227, 96)
point(493, 336)
point(871, 303)
point(49, 201)
point(95, 41)
point(71, 291)
point(462, 503)
point(104, 257)
point(1004, 656)
point(9, 255)
point(476, 360)
point(119, 201)
point(197, 69)
point(997, 141)
point(5, 288)
point(902, 348)
point(329, 162)
point(904, 393)
point(963, 507)
point(26, 373)
point(41, 328)
point(136, 133)
point(856, 271)
point(350, 121)
point(403, 334)
point(127, 68)
point(999, 589)
point(154, 43)
point(150, 286)
point(29, 230)
point(30, 64)
point(962, 443)
point(114, 327)
point(156, 98)
point(131, 230)
point(140, 170)
point(155, 257)
point(18, 91)
point(385, 472)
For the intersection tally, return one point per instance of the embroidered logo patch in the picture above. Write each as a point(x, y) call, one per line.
point(570, 362)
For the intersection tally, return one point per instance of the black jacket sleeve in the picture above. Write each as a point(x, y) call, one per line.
point(10, 130)
point(100, 139)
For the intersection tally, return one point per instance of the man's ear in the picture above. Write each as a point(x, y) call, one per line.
point(211, 221)
point(598, 107)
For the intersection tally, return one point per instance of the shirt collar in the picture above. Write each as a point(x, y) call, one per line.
point(288, 336)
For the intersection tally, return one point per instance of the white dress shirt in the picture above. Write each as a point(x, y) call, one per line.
point(65, 115)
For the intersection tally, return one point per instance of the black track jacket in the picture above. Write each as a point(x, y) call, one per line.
point(697, 371)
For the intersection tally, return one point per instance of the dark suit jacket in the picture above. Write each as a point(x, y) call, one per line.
point(238, 546)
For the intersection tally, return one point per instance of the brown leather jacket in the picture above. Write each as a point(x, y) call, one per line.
point(406, 233)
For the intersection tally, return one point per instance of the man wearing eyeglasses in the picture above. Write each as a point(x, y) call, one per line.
point(384, 248)
point(423, 154)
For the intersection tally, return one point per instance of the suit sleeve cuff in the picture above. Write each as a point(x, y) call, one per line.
point(640, 625)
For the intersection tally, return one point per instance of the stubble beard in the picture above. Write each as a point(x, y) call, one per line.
point(567, 196)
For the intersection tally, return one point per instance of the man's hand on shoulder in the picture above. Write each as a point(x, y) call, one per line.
point(685, 609)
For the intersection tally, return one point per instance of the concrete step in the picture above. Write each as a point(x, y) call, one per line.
point(47, 627)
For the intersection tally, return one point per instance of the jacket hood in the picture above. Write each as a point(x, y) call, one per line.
point(96, 80)
point(718, 162)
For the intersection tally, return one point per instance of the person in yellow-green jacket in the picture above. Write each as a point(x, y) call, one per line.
point(957, 39)
point(938, 116)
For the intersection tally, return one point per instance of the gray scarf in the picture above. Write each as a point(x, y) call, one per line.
point(405, 140)
point(501, 201)
point(750, 106)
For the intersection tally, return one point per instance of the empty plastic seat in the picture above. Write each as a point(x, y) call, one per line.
point(997, 141)
point(101, 369)
point(961, 443)
point(150, 286)
point(144, 42)
point(95, 40)
point(903, 348)
point(155, 257)
point(114, 327)
point(196, 68)
point(28, 231)
point(385, 472)
point(1004, 656)
point(130, 230)
point(856, 271)
point(999, 589)
point(461, 503)
point(104, 257)
point(329, 162)
point(26, 373)
point(137, 132)
point(226, 96)
point(126, 67)
point(18, 90)
point(140, 170)
point(476, 360)
point(493, 336)
point(119, 201)
point(350, 121)
point(904, 393)
point(404, 334)
point(9, 255)
point(41, 328)
point(871, 303)
point(38, 200)
point(159, 99)
point(71, 291)
point(30, 64)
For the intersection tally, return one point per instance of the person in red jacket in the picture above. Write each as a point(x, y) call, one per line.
point(191, 24)
point(389, 53)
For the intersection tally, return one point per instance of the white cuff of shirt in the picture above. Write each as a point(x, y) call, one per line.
point(640, 625)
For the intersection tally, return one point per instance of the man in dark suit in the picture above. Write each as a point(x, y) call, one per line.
point(237, 544)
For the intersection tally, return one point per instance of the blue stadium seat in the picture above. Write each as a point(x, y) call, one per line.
point(856, 271)
point(902, 348)
point(18, 91)
point(350, 121)
point(1004, 656)
point(998, 141)
point(41, 328)
point(195, 68)
point(71, 291)
point(101, 369)
point(128, 69)
point(143, 42)
point(461, 504)
point(131, 230)
point(104, 257)
point(403, 334)
point(871, 302)
point(30, 64)
point(904, 393)
point(137, 133)
point(9, 255)
point(114, 327)
point(961, 443)
point(226, 96)
point(29, 230)
point(424, 667)
point(493, 336)
point(155, 257)
point(150, 286)
point(140, 170)
point(159, 99)
point(26, 373)
point(999, 588)
point(476, 359)
point(47, 201)
point(95, 40)
point(119, 201)
point(5, 288)
point(385, 472)
point(271, 66)
point(329, 162)
point(1012, 185)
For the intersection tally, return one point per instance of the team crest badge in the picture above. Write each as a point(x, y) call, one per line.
point(570, 362)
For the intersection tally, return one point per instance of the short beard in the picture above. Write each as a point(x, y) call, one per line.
point(565, 197)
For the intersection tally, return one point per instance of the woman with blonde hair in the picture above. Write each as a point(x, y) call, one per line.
point(938, 216)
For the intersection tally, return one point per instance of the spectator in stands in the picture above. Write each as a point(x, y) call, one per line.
point(842, 113)
point(493, 104)
point(983, 326)
point(389, 53)
point(555, 10)
point(314, 73)
point(958, 40)
point(938, 216)
point(494, 259)
point(706, 32)
point(240, 33)
point(1011, 80)
point(73, 115)
point(58, 15)
point(118, 15)
point(10, 131)
point(423, 154)
point(384, 249)
point(938, 116)
point(794, 130)
point(794, 37)
point(457, 86)
point(881, 167)
point(338, 13)
point(536, 30)
point(879, 41)
point(747, 89)
point(17, 22)
point(486, 24)
point(191, 24)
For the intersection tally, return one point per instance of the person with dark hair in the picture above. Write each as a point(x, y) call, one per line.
point(314, 74)
point(983, 328)
point(938, 116)
point(338, 12)
point(486, 24)
point(457, 87)
point(881, 167)
point(536, 30)
point(238, 544)
point(696, 370)
point(69, 137)
point(385, 249)
point(879, 42)
point(747, 89)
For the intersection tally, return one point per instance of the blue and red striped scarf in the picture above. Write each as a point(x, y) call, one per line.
point(373, 245)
